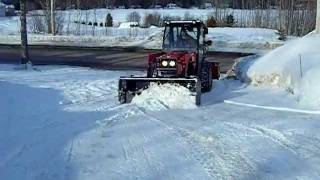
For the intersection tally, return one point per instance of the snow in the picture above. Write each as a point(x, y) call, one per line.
point(120, 15)
point(245, 40)
point(151, 42)
point(9, 25)
point(273, 108)
point(166, 96)
point(59, 122)
point(293, 67)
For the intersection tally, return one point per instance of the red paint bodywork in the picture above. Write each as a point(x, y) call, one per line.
point(183, 59)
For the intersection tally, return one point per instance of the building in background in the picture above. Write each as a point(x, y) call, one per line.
point(10, 10)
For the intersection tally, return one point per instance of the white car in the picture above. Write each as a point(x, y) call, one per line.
point(208, 6)
point(172, 6)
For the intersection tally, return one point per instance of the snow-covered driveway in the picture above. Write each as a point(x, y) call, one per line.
point(65, 123)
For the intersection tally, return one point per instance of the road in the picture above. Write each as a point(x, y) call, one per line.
point(105, 58)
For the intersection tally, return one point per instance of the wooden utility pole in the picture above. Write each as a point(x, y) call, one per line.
point(318, 17)
point(24, 33)
point(53, 19)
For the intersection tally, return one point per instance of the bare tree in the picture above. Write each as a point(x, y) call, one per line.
point(47, 20)
point(24, 34)
point(52, 17)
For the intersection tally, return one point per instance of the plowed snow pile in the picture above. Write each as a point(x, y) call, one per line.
point(294, 67)
point(166, 96)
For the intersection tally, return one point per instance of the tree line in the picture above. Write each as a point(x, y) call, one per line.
point(236, 4)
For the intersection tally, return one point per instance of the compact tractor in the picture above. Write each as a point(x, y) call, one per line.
point(182, 61)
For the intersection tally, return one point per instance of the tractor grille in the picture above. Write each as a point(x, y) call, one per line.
point(167, 73)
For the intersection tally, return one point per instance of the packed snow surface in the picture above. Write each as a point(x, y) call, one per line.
point(65, 123)
point(294, 67)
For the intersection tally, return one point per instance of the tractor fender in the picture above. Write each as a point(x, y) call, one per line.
point(152, 57)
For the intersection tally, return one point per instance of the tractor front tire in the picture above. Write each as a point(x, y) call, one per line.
point(151, 71)
point(206, 77)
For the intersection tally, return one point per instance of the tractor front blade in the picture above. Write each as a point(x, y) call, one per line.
point(132, 86)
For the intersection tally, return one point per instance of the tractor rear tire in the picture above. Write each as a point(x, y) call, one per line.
point(206, 77)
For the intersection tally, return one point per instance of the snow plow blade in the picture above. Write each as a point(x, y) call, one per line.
point(132, 86)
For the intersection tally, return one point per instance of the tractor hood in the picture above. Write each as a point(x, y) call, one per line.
point(173, 55)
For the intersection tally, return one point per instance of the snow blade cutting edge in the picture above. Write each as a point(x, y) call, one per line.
point(132, 86)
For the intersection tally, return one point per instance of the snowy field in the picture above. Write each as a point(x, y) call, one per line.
point(65, 123)
point(246, 40)
point(242, 17)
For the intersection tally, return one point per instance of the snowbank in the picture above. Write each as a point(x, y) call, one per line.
point(166, 96)
point(151, 42)
point(294, 67)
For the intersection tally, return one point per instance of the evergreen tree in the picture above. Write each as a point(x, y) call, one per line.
point(109, 20)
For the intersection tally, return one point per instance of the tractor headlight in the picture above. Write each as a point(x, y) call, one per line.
point(164, 63)
point(172, 63)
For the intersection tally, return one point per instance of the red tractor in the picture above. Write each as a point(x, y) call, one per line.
point(182, 61)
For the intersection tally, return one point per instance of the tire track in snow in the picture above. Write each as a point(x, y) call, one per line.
point(139, 161)
point(134, 153)
point(277, 137)
point(309, 149)
point(280, 139)
point(271, 134)
point(310, 146)
point(119, 113)
point(283, 109)
point(69, 156)
point(209, 157)
point(88, 89)
point(16, 154)
point(218, 158)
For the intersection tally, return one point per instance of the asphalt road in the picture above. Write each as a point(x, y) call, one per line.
point(104, 58)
